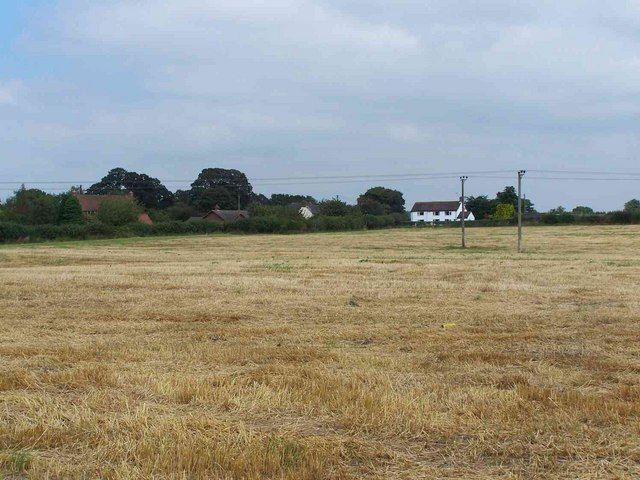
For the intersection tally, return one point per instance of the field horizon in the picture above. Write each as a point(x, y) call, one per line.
point(374, 354)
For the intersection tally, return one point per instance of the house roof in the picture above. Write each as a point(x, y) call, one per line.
point(313, 207)
point(436, 206)
point(228, 215)
point(145, 218)
point(91, 203)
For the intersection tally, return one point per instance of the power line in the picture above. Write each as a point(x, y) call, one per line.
point(267, 179)
point(342, 179)
point(584, 172)
point(595, 179)
point(282, 183)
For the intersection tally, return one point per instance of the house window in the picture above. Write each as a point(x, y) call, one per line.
point(422, 213)
point(449, 212)
point(436, 213)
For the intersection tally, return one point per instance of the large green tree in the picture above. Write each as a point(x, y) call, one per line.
point(391, 200)
point(216, 197)
point(508, 195)
point(481, 206)
point(149, 191)
point(234, 181)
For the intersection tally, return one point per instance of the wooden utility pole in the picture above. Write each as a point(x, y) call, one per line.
point(464, 210)
point(520, 175)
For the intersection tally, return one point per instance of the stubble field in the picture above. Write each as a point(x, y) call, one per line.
point(389, 354)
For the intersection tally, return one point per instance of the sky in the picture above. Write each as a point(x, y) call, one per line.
point(317, 88)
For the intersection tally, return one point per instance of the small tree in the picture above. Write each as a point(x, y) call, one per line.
point(70, 210)
point(119, 212)
point(504, 211)
point(333, 208)
point(558, 210)
point(582, 210)
point(391, 200)
point(632, 206)
point(33, 206)
point(370, 206)
point(509, 195)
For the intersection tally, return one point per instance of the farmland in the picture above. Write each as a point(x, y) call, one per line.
point(380, 354)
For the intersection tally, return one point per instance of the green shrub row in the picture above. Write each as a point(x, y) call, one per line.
point(11, 232)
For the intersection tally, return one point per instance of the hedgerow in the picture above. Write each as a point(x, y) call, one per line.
point(12, 232)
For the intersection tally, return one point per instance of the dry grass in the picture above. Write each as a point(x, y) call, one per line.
point(323, 356)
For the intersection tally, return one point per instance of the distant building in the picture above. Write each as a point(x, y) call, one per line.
point(217, 215)
point(145, 218)
point(90, 204)
point(435, 212)
point(307, 210)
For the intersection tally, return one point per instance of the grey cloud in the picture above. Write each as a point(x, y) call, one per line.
point(351, 86)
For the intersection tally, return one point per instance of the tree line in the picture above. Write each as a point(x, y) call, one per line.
point(213, 188)
point(231, 189)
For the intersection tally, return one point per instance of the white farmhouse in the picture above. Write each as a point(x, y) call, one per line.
point(435, 212)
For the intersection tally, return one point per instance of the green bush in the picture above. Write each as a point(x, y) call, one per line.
point(139, 229)
point(173, 228)
point(14, 231)
point(51, 232)
point(283, 211)
point(119, 212)
point(504, 211)
point(179, 211)
point(158, 216)
point(623, 217)
point(96, 228)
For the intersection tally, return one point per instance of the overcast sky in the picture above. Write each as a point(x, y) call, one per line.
point(283, 88)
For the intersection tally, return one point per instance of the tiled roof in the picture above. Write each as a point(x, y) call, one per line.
point(91, 203)
point(436, 206)
point(228, 215)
